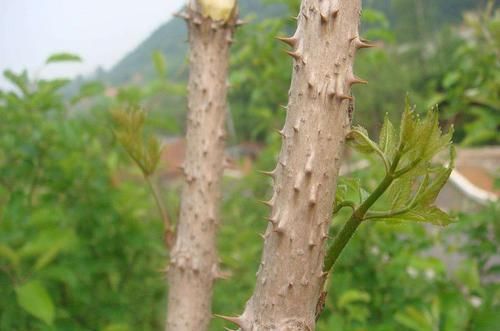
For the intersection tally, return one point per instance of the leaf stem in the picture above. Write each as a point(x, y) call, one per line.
point(375, 214)
point(343, 204)
point(359, 213)
point(375, 148)
point(411, 205)
point(409, 167)
point(168, 227)
point(352, 224)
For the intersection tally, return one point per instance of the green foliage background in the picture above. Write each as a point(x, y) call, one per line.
point(81, 243)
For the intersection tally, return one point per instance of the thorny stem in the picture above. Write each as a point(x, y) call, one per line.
point(168, 226)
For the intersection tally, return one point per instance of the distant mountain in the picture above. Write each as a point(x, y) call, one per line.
point(170, 39)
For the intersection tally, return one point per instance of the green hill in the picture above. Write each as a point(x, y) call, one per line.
point(170, 37)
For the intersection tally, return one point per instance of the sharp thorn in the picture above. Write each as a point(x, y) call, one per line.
point(290, 41)
point(240, 22)
point(343, 97)
point(183, 15)
point(323, 274)
point(280, 132)
point(235, 320)
point(266, 173)
point(357, 80)
point(279, 229)
point(295, 55)
point(361, 43)
point(267, 203)
point(324, 18)
point(270, 220)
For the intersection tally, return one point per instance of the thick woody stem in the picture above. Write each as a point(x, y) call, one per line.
point(193, 260)
point(290, 278)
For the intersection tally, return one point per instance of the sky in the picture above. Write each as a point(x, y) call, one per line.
point(100, 31)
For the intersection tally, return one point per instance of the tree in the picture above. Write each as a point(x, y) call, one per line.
point(193, 263)
point(291, 276)
point(291, 281)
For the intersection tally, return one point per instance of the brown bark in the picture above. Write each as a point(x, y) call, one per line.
point(193, 260)
point(290, 279)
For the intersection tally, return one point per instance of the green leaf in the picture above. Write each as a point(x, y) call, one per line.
point(423, 214)
point(9, 254)
point(47, 240)
point(64, 241)
point(430, 192)
point(63, 57)
point(34, 298)
point(353, 296)
point(400, 192)
point(388, 138)
point(422, 138)
point(160, 63)
point(153, 154)
point(20, 81)
point(468, 275)
point(358, 138)
point(415, 320)
point(450, 79)
point(51, 86)
point(348, 189)
point(407, 127)
point(129, 133)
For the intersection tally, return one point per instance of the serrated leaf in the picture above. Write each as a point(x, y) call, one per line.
point(348, 189)
point(129, 133)
point(34, 298)
point(153, 155)
point(63, 57)
point(423, 138)
point(430, 192)
point(414, 183)
point(407, 126)
point(387, 138)
point(399, 193)
point(359, 139)
point(422, 214)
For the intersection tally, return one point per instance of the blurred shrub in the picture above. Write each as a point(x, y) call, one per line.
point(79, 249)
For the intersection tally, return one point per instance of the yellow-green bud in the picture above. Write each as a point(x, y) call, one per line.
point(218, 10)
